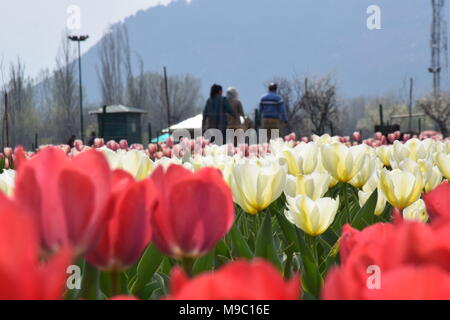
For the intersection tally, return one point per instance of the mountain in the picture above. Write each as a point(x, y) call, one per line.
point(243, 43)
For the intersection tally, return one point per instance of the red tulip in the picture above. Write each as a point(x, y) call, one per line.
point(128, 232)
point(351, 237)
point(239, 280)
point(66, 197)
point(412, 283)
point(22, 274)
point(194, 210)
point(437, 202)
point(388, 252)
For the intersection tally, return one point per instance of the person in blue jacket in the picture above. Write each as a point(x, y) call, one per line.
point(272, 110)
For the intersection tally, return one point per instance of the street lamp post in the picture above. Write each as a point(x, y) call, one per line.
point(79, 39)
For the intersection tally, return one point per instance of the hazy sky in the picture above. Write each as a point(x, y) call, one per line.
point(32, 29)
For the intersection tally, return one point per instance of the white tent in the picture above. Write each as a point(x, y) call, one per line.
point(189, 124)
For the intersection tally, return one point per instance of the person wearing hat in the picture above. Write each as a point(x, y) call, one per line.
point(272, 110)
point(236, 105)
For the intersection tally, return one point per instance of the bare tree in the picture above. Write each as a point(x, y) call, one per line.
point(112, 65)
point(184, 95)
point(438, 109)
point(311, 104)
point(65, 92)
point(319, 104)
point(23, 118)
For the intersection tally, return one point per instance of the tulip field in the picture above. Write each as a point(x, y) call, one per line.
point(310, 218)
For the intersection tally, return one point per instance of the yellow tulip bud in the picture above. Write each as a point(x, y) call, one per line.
point(431, 175)
point(135, 162)
point(7, 179)
point(384, 153)
point(416, 212)
point(302, 159)
point(413, 149)
point(381, 200)
point(341, 162)
point(313, 217)
point(401, 188)
point(324, 139)
point(363, 175)
point(443, 162)
point(313, 185)
point(256, 183)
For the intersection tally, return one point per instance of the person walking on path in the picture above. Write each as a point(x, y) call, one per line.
point(216, 109)
point(236, 105)
point(272, 111)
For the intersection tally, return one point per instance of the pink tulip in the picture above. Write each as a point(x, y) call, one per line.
point(152, 148)
point(406, 137)
point(99, 142)
point(7, 152)
point(111, 144)
point(391, 137)
point(357, 136)
point(170, 142)
point(78, 145)
point(123, 144)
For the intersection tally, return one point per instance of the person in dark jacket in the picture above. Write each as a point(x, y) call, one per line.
point(216, 109)
point(91, 139)
point(272, 110)
point(71, 141)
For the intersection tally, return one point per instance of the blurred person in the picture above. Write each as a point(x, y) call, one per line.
point(71, 141)
point(216, 109)
point(91, 139)
point(236, 105)
point(272, 111)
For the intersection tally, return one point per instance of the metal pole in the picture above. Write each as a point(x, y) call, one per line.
point(381, 115)
point(81, 94)
point(411, 83)
point(103, 122)
point(167, 97)
point(150, 132)
point(6, 120)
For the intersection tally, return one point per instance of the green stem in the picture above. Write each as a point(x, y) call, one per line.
point(188, 264)
point(347, 210)
point(90, 283)
point(115, 283)
point(288, 265)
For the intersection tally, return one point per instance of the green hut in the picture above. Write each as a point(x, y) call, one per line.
point(118, 122)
